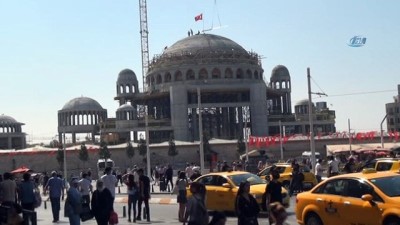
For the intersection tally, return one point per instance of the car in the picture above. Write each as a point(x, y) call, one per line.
point(382, 164)
point(222, 188)
point(368, 198)
point(285, 175)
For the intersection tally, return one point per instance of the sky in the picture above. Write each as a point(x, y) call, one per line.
point(54, 51)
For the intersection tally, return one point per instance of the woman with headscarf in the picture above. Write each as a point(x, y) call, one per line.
point(246, 206)
point(196, 211)
point(102, 203)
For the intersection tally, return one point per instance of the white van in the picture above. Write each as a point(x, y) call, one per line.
point(102, 164)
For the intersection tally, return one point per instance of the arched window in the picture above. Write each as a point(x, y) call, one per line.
point(148, 80)
point(167, 77)
point(283, 84)
point(152, 80)
point(239, 73)
point(159, 79)
point(190, 75)
point(277, 84)
point(248, 74)
point(228, 73)
point(127, 89)
point(288, 84)
point(203, 74)
point(216, 73)
point(121, 89)
point(273, 85)
point(178, 76)
point(256, 75)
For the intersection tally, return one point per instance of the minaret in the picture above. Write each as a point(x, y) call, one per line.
point(280, 80)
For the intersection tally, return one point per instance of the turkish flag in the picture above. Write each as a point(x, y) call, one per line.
point(198, 17)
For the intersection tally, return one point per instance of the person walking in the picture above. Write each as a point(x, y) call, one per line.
point(278, 213)
point(181, 184)
point(319, 170)
point(8, 190)
point(273, 193)
point(169, 173)
point(26, 193)
point(219, 218)
point(102, 203)
point(333, 166)
point(73, 203)
point(144, 195)
point(246, 206)
point(55, 187)
point(133, 195)
point(110, 181)
point(86, 188)
point(196, 211)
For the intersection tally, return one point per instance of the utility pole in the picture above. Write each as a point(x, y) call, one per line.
point(350, 141)
point(280, 139)
point(311, 118)
point(65, 160)
point(382, 141)
point(147, 144)
point(200, 131)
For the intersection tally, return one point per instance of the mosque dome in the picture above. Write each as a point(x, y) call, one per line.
point(303, 102)
point(126, 75)
point(82, 103)
point(279, 72)
point(126, 107)
point(204, 42)
point(7, 120)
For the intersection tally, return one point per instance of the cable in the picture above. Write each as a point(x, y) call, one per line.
point(361, 93)
point(317, 85)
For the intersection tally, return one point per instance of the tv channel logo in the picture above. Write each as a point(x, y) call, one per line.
point(357, 41)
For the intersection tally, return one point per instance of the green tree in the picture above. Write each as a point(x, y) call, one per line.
point(60, 158)
point(241, 145)
point(104, 153)
point(130, 151)
point(172, 149)
point(83, 154)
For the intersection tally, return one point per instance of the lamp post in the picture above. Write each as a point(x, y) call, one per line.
point(280, 139)
point(65, 158)
point(147, 144)
point(200, 131)
point(382, 141)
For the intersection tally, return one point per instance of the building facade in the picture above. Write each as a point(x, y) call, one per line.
point(393, 113)
point(11, 135)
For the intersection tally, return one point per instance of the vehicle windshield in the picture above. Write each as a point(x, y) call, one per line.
point(390, 186)
point(251, 178)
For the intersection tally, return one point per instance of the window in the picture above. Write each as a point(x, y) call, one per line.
point(334, 187)
point(219, 181)
point(239, 74)
point(248, 74)
point(190, 75)
point(228, 73)
point(384, 166)
point(159, 79)
point(206, 180)
point(203, 74)
point(178, 76)
point(356, 189)
point(167, 77)
point(216, 74)
point(256, 74)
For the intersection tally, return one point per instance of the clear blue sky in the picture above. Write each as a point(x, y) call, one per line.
point(53, 51)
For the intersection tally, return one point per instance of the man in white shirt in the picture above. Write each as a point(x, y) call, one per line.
point(319, 170)
point(188, 170)
point(333, 166)
point(85, 187)
point(110, 181)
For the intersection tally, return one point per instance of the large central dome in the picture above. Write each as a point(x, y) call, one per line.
point(82, 103)
point(204, 42)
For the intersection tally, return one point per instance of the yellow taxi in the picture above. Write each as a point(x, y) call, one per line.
point(285, 175)
point(383, 164)
point(367, 198)
point(222, 188)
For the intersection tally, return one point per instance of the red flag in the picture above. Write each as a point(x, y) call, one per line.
point(198, 17)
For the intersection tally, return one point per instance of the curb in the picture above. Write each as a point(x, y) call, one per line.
point(161, 201)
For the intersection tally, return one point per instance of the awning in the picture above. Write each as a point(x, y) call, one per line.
point(337, 149)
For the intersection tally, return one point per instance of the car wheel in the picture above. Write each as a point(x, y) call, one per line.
point(393, 221)
point(313, 219)
point(286, 184)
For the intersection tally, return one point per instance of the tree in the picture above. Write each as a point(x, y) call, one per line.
point(83, 154)
point(172, 148)
point(130, 151)
point(60, 158)
point(104, 153)
point(241, 145)
point(208, 152)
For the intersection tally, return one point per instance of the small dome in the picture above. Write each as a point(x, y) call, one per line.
point(204, 42)
point(126, 75)
point(280, 71)
point(82, 103)
point(7, 119)
point(303, 102)
point(126, 107)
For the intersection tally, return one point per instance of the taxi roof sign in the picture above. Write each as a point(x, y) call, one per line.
point(368, 170)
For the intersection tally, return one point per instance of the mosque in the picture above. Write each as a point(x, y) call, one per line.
point(11, 135)
point(204, 74)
